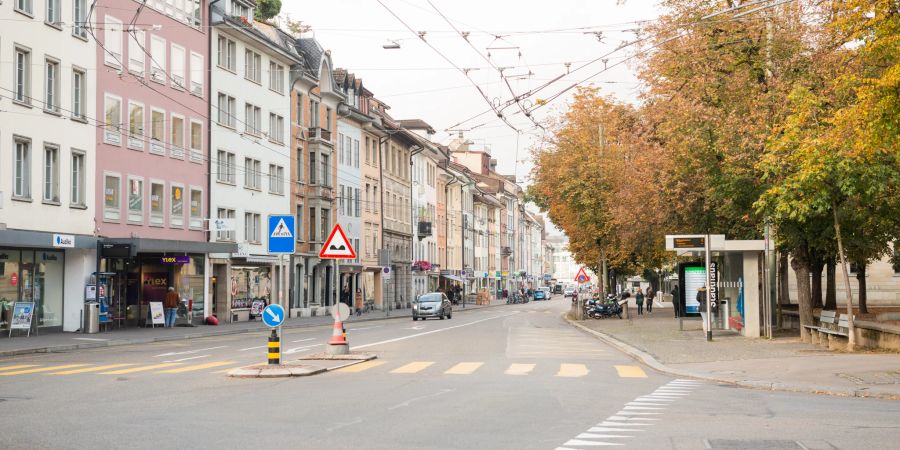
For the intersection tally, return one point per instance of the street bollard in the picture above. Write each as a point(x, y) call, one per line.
point(274, 349)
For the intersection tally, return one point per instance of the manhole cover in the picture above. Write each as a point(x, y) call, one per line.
point(752, 444)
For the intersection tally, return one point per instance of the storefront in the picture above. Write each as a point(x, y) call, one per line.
point(243, 285)
point(134, 273)
point(47, 269)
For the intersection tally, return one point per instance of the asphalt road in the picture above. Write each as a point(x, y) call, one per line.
point(513, 376)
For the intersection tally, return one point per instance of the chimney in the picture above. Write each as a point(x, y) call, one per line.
point(493, 165)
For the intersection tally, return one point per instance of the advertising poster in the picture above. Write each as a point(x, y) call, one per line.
point(694, 278)
point(21, 315)
point(155, 285)
point(156, 313)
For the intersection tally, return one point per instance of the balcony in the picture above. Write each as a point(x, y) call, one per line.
point(320, 134)
point(505, 251)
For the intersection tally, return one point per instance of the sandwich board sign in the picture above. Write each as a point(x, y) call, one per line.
point(281, 234)
point(337, 246)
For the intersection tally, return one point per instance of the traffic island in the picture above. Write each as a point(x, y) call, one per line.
point(306, 366)
point(351, 356)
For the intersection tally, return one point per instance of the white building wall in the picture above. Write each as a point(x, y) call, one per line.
point(424, 182)
point(268, 150)
point(349, 184)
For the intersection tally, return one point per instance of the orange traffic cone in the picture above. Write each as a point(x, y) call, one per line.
point(337, 334)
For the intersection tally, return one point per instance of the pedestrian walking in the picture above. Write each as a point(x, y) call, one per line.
point(170, 307)
point(701, 300)
point(676, 301)
point(639, 301)
point(358, 302)
point(651, 294)
point(345, 296)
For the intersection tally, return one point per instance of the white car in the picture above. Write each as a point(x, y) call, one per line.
point(569, 292)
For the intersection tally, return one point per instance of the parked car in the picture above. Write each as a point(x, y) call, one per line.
point(540, 294)
point(432, 304)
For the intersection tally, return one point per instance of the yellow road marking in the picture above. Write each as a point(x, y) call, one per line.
point(208, 365)
point(519, 369)
point(413, 367)
point(360, 367)
point(464, 368)
point(42, 369)
point(630, 372)
point(90, 369)
point(19, 366)
point(572, 370)
point(141, 369)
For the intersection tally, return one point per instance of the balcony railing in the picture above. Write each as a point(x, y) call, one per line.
point(320, 133)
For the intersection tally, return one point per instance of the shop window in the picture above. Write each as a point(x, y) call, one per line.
point(176, 217)
point(196, 213)
point(157, 201)
point(111, 200)
point(135, 200)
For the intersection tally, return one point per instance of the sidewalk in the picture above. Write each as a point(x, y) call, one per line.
point(60, 342)
point(783, 363)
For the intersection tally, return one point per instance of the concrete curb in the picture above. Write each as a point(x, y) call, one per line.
point(295, 370)
point(150, 340)
point(654, 364)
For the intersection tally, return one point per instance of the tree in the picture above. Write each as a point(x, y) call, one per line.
point(267, 9)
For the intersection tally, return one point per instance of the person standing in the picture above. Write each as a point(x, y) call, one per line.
point(358, 302)
point(639, 301)
point(651, 294)
point(345, 296)
point(701, 299)
point(170, 307)
point(676, 301)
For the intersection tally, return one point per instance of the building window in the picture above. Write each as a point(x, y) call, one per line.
point(326, 171)
point(177, 67)
point(113, 120)
point(313, 113)
point(78, 14)
point(22, 92)
point(252, 66)
point(356, 153)
point(177, 140)
point(276, 128)
point(251, 227)
point(135, 200)
point(157, 131)
point(227, 54)
point(276, 179)
point(252, 119)
point(313, 179)
point(136, 55)
point(300, 177)
point(157, 59)
point(298, 222)
point(157, 204)
point(77, 193)
point(196, 141)
point(252, 173)
point(111, 199)
point(176, 214)
point(223, 213)
point(276, 77)
point(325, 221)
point(53, 12)
point(225, 167)
point(24, 6)
point(299, 111)
point(357, 202)
point(78, 94)
point(51, 174)
point(328, 119)
point(135, 126)
point(227, 112)
point(198, 71)
point(196, 208)
point(312, 224)
point(112, 37)
point(22, 169)
point(51, 85)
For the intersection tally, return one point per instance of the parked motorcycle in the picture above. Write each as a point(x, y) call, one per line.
point(603, 309)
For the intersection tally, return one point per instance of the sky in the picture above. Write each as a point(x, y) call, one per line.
point(529, 40)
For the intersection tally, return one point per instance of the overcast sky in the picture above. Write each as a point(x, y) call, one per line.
point(417, 82)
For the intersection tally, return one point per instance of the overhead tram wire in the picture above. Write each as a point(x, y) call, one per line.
point(477, 87)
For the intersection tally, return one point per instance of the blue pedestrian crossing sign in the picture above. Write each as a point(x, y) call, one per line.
point(273, 316)
point(281, 234)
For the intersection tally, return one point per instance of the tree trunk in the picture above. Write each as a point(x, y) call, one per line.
point(830, 286)
point(800, 264)
point(861, 280)
point(816, 288)
point(784, 294)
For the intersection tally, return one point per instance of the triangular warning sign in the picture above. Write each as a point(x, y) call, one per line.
point(281, 230)
point(337, 245)
point(582, 276)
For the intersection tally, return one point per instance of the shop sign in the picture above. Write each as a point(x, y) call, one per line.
point(177, 259)
point(14, 278)
point(115, 250)
point(243, 250)
point(504, 273)
point(713, 282)
point(64, 240)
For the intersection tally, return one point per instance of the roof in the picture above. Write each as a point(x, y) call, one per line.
point(416, 124)
point(267, 33)
point(312, 51)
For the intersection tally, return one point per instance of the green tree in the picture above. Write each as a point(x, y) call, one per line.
point(267, 9)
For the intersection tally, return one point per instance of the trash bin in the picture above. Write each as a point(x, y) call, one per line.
point(91, 320)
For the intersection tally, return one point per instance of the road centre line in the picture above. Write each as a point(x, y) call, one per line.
point(253, 348)
point(403, 338)
point(298, 340)
point(186, 359)
point(188, 352)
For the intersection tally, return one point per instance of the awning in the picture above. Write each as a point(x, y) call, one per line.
point(451, 277)
point(42, 239)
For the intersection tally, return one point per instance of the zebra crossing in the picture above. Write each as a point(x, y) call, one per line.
point(560, 370)
point(113, 368)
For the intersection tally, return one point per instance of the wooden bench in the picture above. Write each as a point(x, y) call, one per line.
point(826, 319)
point(833, 335)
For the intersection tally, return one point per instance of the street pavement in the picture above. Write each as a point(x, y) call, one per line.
point(511, 376)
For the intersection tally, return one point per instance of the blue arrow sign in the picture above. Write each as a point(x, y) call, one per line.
point(273, 316)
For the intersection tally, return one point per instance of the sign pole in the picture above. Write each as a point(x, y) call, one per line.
point(708, 321)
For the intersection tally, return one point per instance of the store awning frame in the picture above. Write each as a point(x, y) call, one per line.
point(452, 277)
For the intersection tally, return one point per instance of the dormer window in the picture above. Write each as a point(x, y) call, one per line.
point(239, 9)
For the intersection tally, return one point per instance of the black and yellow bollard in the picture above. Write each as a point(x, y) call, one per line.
point(274, 349)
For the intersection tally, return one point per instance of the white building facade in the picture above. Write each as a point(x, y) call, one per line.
point(349, 196)
point(47, 160)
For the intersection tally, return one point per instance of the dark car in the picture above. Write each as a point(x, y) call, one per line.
point(432, 304)
point(557, 289)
